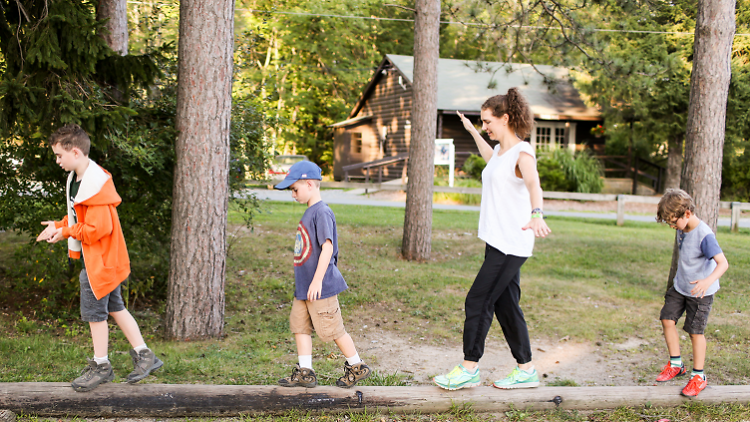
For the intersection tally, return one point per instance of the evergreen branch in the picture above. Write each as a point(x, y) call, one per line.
point(45, 12)
point(21, 8)
point(402, 7)
point(18, 33)
point(562, 30)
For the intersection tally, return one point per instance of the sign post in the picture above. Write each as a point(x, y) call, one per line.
point(445, 155)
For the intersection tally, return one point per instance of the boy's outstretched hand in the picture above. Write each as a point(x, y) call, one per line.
point(50, 234)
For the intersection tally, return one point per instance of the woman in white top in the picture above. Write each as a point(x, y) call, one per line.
point(510, 218)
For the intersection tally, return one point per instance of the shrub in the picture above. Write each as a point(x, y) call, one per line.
point(581, 172)
point(559, 170)
point(473, 166)
point(582, 169)
point(551, 175)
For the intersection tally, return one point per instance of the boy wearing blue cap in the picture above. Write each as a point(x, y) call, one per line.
point(317, 282)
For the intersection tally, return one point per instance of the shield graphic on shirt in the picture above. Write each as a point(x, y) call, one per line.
point(302, 246)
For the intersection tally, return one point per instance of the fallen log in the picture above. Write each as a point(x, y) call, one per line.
point(180, 400)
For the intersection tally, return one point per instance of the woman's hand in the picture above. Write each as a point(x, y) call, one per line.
point(538, 226)
point(467, 124)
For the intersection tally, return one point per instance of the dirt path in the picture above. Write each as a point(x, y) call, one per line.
point(587, 364)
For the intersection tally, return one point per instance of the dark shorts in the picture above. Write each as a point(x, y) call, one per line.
point(696, 310)
point(93, 310)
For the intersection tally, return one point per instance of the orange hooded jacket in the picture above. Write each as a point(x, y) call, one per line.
point(97, 232)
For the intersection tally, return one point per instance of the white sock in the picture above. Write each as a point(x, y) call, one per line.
point(305, 361)
point(139, 348)
point(354, 359)
point(528, 371)
point(100, 361)
point(471, 371)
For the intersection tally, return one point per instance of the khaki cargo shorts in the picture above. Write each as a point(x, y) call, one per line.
point(322, 315)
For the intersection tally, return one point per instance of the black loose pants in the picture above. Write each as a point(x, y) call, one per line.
point(496, 290)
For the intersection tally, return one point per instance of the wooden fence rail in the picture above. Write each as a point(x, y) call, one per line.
point(735, 207)
point(189, 400)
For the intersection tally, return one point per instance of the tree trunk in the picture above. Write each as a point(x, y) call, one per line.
point(418, 216)
point(674, 163)
point(195, 302)
point(115, 31)
point(709, 87)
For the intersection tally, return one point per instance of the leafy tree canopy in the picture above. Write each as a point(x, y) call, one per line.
point(57, 70)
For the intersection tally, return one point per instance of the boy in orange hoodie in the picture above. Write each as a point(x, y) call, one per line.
point(93, 230)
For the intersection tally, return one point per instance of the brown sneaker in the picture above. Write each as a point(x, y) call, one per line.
point(93, 375)
point(143, 363)
point(301, 377)
point(353, 374)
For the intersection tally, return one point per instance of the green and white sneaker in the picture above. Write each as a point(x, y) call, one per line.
point(518, 379)
point(457, 379)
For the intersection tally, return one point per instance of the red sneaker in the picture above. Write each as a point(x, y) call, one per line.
point(694, 386)
point(669, 372)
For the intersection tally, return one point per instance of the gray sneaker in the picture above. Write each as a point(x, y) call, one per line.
point(301, 377)
point(93, 375)
point(143, 363)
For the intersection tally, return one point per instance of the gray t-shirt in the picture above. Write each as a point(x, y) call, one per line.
point(317, 225)
point(697, 249)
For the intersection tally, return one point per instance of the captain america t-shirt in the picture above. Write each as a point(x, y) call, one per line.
point(317, 225)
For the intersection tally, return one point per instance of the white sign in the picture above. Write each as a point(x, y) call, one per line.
point(445, 155)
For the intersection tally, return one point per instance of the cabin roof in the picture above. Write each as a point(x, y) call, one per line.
point(464, 85)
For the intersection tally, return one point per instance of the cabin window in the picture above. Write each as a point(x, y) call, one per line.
point(550, 136)
point(543, 138)
point(356, 142)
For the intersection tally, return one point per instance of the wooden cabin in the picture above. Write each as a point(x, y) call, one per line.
point(379, 126)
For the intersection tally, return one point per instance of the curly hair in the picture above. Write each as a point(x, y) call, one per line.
point(71, 136)
point(673, 205)
point(520, 117)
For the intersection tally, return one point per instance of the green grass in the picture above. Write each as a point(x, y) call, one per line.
point(589, 280)
point(693, 411)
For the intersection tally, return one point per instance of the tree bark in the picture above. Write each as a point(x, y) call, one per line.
point(195, 302)
point(709, 88)
point(674, 162)
point(115, 31)
point(418, 215)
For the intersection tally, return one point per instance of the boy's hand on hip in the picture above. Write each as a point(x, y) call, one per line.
point(701, 286)
point(47, 233)
point(313, 293)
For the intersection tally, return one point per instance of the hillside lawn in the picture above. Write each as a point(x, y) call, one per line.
point(589, 281)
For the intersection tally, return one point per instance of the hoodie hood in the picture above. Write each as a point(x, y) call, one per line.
point(97, 187)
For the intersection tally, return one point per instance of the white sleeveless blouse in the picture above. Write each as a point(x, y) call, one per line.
point(506, 203)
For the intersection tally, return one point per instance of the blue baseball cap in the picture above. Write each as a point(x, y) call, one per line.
point(302, 170)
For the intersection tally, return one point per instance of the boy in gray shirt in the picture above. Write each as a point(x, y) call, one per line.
point(317, 282)
point(701, 263)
